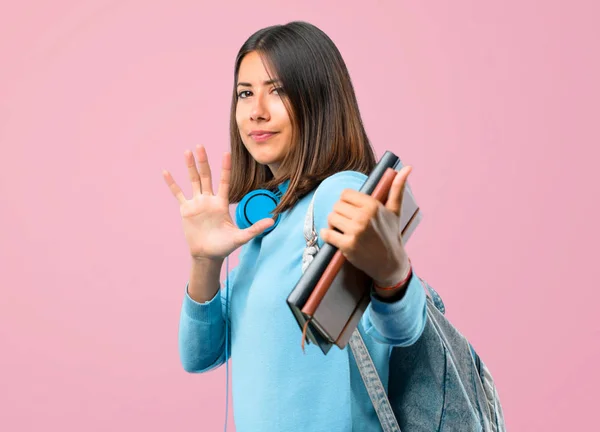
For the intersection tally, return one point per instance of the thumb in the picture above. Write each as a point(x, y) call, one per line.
point(394, 201)
point(247, 234)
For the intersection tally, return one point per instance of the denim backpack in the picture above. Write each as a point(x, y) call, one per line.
point(437, 384)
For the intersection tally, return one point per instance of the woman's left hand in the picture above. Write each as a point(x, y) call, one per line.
point(370, 236)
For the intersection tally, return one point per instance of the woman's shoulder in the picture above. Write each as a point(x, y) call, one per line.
point(345, 176)
point(333, 185)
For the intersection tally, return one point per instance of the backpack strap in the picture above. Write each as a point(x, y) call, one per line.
point(310, 235)
point(370, 377)
point(437, 300)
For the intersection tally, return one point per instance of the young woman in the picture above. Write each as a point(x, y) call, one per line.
point(295, 128)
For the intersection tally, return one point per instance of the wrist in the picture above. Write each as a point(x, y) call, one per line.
point(397, 279)
point(204, 261)
point(394, 287)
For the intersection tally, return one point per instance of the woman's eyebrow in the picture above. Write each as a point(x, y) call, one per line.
point(268, 82)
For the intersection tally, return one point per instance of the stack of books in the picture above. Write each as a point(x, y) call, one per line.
point(332, 295)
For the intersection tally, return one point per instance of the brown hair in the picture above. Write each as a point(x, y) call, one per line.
point(328, 134)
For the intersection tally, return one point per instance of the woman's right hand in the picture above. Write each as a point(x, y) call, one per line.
point(209, 230)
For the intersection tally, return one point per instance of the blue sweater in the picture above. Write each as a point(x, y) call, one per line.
point(277, 387)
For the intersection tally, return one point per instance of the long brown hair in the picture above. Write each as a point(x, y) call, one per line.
point(328, 135)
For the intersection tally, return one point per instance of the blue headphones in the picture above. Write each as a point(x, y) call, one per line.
point(259, 204)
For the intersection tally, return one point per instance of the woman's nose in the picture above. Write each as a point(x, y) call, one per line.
point(259, 109)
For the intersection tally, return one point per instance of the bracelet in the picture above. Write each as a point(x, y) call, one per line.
point(399, 284)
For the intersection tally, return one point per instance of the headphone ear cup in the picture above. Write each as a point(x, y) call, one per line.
point(256, 205)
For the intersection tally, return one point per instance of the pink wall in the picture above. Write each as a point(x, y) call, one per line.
point(495, 106)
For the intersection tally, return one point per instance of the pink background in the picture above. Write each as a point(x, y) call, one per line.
point(495, 106)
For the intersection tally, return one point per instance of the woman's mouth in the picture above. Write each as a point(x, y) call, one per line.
point(263, 136)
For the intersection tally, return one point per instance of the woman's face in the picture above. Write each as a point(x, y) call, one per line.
point(263, 121)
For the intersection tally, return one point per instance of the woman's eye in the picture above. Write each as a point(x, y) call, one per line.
point(247, 93)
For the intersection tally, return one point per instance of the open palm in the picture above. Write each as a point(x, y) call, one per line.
point(207, 224)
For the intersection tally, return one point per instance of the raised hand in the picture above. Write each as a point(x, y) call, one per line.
point(207, 225)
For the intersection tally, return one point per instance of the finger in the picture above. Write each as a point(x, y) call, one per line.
point(344, 209)
point(193, 173)
point(175, 190)
point(243, 236)
point(335, 238)
point(394, 201)
point(224, 183)
point(356, 198)
point(342, 223)
point(205, 175)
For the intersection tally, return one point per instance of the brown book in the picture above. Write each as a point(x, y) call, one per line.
point(331, 296)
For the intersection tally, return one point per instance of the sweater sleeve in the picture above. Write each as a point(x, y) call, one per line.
point(398, 323)
point(202, 331)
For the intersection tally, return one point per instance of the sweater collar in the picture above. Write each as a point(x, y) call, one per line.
point(283, 186)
